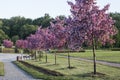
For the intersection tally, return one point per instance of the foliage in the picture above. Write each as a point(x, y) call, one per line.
point(116, 17)
point(15, 38)
point(115, 49)
point(20, 27)
point(2, 36)
point(43, 21)
point(89, 24)
point(21, 44)
point(7, 43)
point(36, 41)
point(58, 30)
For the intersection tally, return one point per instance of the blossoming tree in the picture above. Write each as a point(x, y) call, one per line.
point(88, 24)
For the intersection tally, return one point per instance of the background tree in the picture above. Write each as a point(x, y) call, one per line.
point(27, 30)
point(16, 26)
point(116, 17)
point(15, 38)
point(43, 21)
point(3, 36)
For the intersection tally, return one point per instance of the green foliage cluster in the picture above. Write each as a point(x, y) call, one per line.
point(116, 17)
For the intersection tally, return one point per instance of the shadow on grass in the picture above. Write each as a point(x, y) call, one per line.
point(97, 75)
point(66, 68)
point(42, 63)
point(52, 65)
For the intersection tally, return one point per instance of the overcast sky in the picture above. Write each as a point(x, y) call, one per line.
point(37, 8)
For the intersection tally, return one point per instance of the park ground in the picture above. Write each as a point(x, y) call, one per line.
point(81, 69)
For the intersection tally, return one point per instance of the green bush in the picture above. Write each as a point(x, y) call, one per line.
point(66, 51)
point(115, 49)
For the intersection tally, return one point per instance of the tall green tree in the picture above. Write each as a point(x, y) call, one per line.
point(43, 21)
point(2, 36)
point(116, 17)
point(27, 30)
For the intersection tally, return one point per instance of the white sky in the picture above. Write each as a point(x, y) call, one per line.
point(37, 8)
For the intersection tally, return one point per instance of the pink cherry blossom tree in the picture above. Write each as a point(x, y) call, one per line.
point(21, 44)
point(58, 32)
point(7, 43)
point(88, 24)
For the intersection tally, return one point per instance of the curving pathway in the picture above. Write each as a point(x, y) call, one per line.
point(12, 72)
point(97, 61)
point(100, 62)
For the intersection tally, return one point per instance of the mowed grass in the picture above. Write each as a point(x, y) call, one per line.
point(103, 55)
point(80, 70)
point(1, 69)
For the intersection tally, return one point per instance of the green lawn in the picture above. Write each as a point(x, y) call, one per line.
point(1, 69)
point(103, 55)
point(80, 71)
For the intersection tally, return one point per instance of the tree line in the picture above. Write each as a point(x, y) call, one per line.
point(19, 27)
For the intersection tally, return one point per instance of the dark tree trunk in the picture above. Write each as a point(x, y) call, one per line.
point(94, 55)
point(46, 57)
point(39, 56)
point(55, 58)
point(35, 55)
point(69, 66)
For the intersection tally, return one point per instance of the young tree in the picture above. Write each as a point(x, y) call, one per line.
point(21, 44)
point(7, 43)
point(41, 33)
point(88, 24)
point(35, 42)
point(57, 29)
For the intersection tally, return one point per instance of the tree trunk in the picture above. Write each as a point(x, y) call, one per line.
point(39, 56)
point(35, 54)
point(21, 54)
point(55, 58)
point(69, 60)
point(46, 57)
point(94, 55)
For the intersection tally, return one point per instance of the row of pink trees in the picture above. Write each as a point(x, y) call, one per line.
point(87, 24)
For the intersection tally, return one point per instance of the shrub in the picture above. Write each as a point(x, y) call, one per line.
point(66, 51)
point(115, 49)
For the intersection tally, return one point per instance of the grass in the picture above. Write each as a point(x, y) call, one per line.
point(39, 75)
point(1, 69)
point(80, 71)
point(103, 55)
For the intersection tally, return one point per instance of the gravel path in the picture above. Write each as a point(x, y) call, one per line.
point(12, 72)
